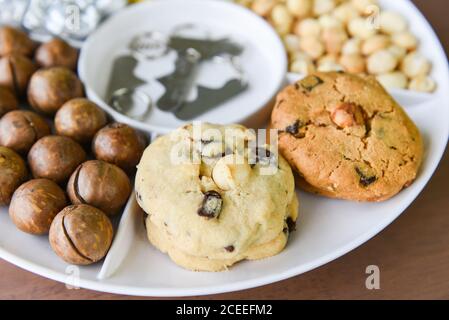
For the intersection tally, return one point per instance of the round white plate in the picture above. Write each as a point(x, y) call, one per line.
point(263, 60)
point(327, 228)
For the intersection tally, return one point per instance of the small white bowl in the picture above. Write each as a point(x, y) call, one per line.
point(264, 59)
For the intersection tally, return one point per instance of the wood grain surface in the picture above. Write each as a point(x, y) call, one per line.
point(412, 253)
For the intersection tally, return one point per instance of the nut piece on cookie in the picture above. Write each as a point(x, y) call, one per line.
point(230, 171)
point(347, 115)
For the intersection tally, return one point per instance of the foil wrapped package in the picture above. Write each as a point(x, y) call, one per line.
point(72, 20)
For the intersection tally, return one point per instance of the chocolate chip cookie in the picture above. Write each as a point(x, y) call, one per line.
point(346, 137)
point(213, 198)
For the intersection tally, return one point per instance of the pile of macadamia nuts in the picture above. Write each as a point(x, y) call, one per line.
point(355, 36)
point(64, 171)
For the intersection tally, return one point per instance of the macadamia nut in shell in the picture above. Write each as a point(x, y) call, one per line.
point(100, 184)
point(81, 234)
point(35, 204)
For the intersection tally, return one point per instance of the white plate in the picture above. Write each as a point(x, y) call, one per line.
point(263, 60)
point(327, 228)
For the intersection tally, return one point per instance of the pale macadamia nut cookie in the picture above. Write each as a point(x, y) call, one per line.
point(214, 198)
point(346, 137)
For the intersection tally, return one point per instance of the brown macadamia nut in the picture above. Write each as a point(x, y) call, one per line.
point(15, 41)
point(50, 88)
point(35, 204)
point(57, 53)
point(119, 144)
point(99, 184)
point(79, 119)
point(81, 234)
point(15, 72)
point(13, 172)
point(55, 158)
point(20, 129)
point(8, 101)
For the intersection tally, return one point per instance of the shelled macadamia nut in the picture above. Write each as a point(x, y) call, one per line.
point(363, 5)
point(392, 22)
point(414, 65)
point(99, 184)
point(119, 144)
point(397, 51)
point(81, 234)
point(35, 204)
point(323, 6)
point(375, 43)
point(79, 119)
point(13, 173)
point(50, 88)
point(20, 129)
point(346, 12)
point(8, 101)
point(352, 46)
point(308, 28)
point(353, 63)
point(282, 19)
point(312, 46)
point(300, 8)
point(15, 72)
point(405, 40)
point(422, 83)
point(302, 66)
point(56, 53)
point(55, 158)
point(382, 61)
point(360, 28)
point(263, 7)
point(15, 41)
point(333, 39)
point(394, 79)
point(292, 43)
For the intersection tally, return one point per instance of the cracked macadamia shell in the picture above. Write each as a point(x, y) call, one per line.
point(20, 129)
point(81, 234)
point(15, 72)
point(79, 119)
point(15, 41)
point(346, 137)
point(119, 144)
point(56, 53)
point(35, 204)
point(13, 172)
point(8, 101)
point(55, 158)
point(100, 184)
point(50, 88)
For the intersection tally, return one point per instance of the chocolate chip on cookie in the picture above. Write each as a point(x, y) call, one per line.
point(211, 206)
point(293, 128)
point(365, 180)
point(309, 83)
point(291, 224)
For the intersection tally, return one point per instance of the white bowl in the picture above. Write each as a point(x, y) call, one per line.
point(263, 60)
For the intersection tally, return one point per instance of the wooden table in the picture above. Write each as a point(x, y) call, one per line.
point(412, 253)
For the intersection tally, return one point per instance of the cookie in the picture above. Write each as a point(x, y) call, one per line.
point(213, 198)
point(346, 137)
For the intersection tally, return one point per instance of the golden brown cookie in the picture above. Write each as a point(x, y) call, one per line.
point(346, 137)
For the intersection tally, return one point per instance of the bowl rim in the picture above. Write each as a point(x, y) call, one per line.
point(279, 78)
